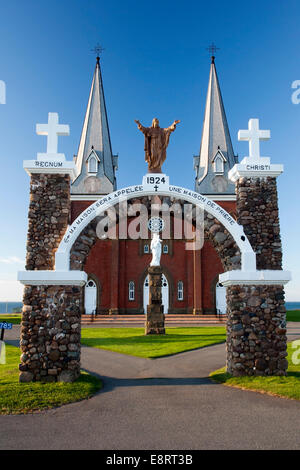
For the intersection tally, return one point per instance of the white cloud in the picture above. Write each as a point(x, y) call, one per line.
point(11, 291)
point(12, 260)
point(292, 292)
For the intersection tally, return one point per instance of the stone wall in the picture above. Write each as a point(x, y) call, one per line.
point(50, 334)
point(48, 216)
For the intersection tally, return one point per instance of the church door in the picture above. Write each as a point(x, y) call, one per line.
point(90, 297)
point(220, 299)
point(165, 293)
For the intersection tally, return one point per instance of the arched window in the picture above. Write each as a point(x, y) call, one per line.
point(164, 282)
point(92, 165)
point(221, 304)
point(180, 290)
point(131, 290)
point(91, 283)
point(219, 164)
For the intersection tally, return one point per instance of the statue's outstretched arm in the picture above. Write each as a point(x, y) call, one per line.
point(140, 127)
point(172, 127)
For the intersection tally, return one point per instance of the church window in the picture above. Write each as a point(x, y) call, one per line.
point(146, 248)
point(218, 164)
point(131, 294)
point(92, 165)
point(180, 290)
point(90, 297)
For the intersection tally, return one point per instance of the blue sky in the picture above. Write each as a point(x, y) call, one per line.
point(155, 63)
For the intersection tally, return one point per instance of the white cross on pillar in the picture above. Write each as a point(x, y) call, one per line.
point(254, 135)
point(52, 130)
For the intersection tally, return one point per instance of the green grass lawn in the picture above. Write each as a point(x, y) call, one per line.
point(133, 341)
point(14, 318)
point(293, 315)
point(288, 387)
point(16, 398)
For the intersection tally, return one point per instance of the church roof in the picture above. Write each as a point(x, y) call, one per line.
point(215, 137)
point(95, 133)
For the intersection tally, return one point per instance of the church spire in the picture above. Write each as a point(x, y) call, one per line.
point(95, 143)
point(216, 153)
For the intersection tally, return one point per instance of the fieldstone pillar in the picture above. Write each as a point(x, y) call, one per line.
point(50, 334)
point(256, 329)
point(48, 217)
point(256, 333)
point(257, 212)
point(155, 318)
point(50, 327)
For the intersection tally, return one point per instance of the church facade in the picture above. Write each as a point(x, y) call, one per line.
point(117, 267)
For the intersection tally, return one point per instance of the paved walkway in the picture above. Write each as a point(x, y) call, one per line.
point(166, 403)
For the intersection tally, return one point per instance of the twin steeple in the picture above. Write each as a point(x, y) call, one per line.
point(216, 156)
point(95, 163)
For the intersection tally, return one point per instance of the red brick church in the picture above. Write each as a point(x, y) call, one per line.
point(117, 268)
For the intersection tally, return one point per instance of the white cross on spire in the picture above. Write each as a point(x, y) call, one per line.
point(253, 134)
point(52, 130)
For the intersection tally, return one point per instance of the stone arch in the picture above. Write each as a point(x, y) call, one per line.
point(214, 230)
point(222, 241)
point(219, 221)
point(256, 341)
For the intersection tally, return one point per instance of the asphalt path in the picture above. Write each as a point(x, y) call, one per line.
point(166, 403)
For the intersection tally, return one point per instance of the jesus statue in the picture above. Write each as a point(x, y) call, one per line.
point(156, 143)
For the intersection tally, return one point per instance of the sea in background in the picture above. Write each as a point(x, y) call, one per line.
point(292, 305)
point(7, 307)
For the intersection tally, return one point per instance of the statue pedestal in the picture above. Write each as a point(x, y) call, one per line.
point(155, 318)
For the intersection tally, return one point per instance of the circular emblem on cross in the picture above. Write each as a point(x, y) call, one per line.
point(156, 224)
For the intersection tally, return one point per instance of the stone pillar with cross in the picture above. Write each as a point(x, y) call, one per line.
point(256, 328)
point(50, 328)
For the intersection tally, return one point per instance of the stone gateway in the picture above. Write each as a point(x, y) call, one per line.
point(241, 251)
